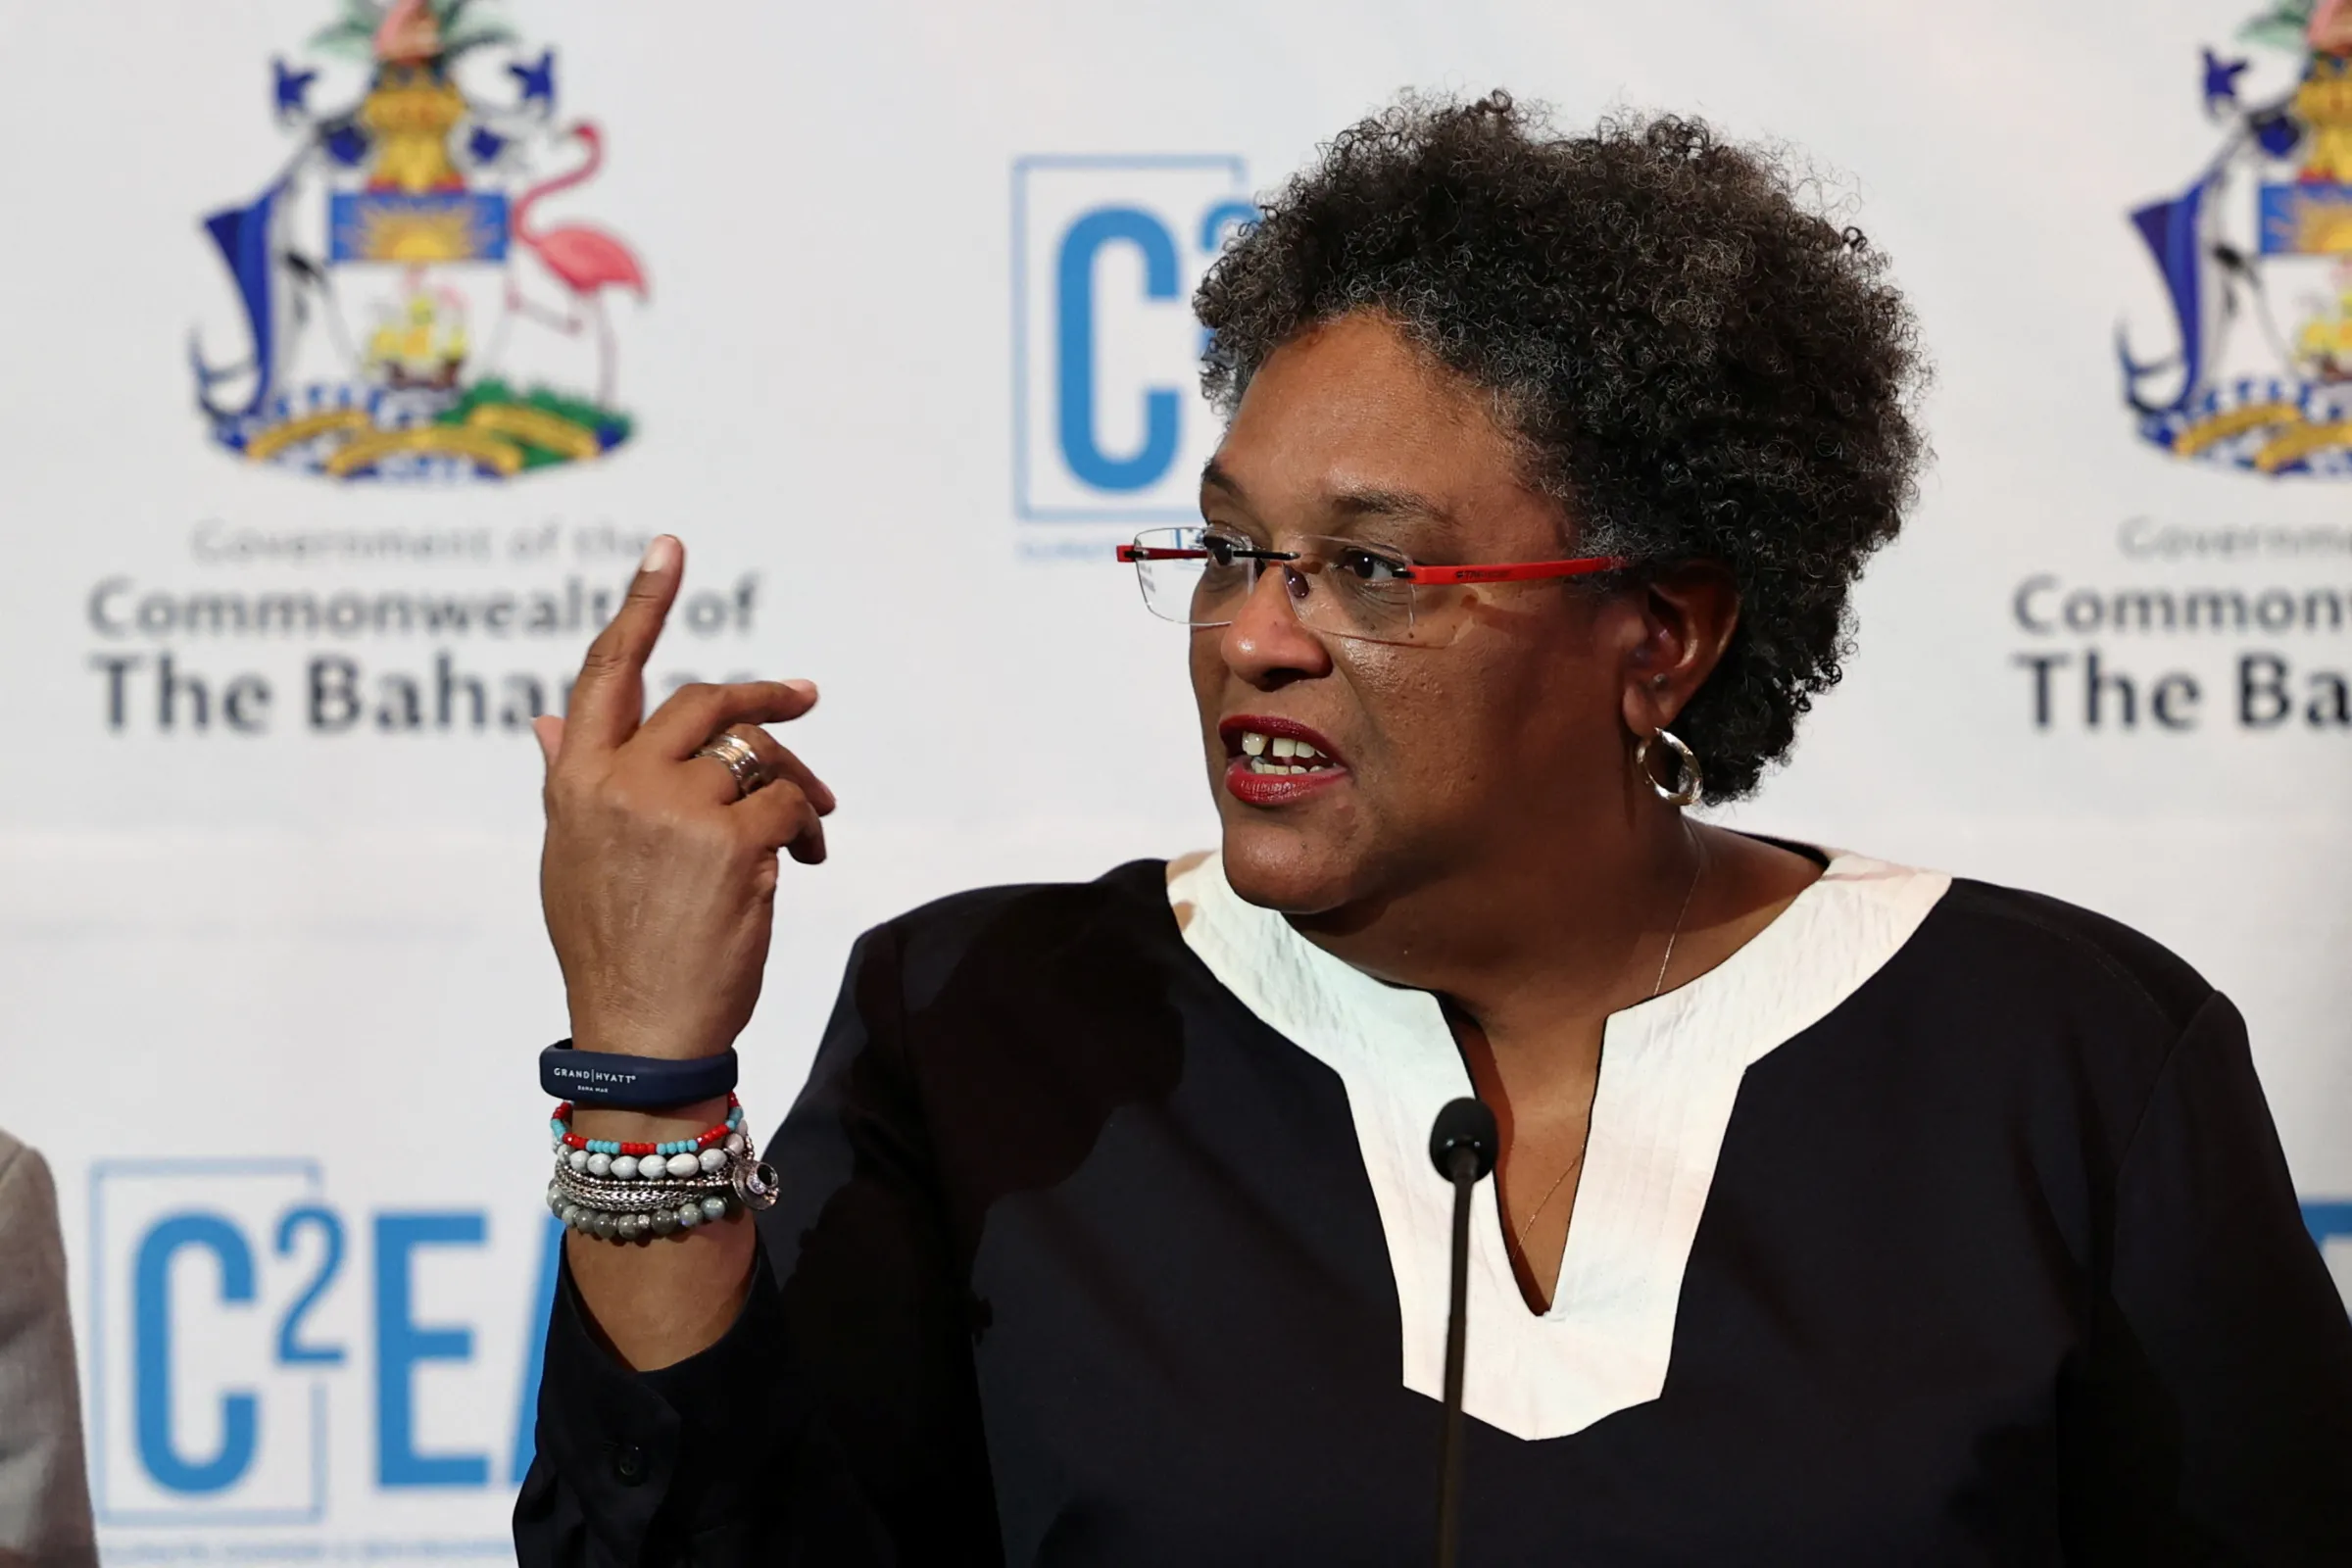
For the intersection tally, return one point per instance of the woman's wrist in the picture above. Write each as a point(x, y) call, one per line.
point(677, 1033)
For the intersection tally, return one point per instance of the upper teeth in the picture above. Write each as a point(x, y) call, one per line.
point(1265, 750)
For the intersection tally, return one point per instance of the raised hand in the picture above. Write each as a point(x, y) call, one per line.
point(659, 881)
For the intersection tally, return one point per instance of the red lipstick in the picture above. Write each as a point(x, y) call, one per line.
point(1308, 762)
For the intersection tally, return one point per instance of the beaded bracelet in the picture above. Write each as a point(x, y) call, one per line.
point(560, 1127)
point(654, 1167)
point(640, 1213)
point(633, 1191)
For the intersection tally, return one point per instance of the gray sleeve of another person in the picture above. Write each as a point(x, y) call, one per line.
point(44, 1494)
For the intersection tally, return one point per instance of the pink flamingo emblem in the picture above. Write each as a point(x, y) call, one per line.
point(409, 35)
point(2330, 30)
point(585, 260)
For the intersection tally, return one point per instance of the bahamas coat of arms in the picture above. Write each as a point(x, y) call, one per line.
point(411, 312)
point(2256, 259)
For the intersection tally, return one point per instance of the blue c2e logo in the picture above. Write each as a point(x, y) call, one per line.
point(1108, 421)
point(248, 1339)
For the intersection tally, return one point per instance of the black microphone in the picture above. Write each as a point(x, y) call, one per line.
point(1461, 1145)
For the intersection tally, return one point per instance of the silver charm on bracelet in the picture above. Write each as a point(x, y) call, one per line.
point(754, 1182)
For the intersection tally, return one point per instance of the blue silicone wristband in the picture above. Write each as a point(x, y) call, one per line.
point(633, 1083)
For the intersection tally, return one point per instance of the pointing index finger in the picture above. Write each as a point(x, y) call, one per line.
point(608, 699)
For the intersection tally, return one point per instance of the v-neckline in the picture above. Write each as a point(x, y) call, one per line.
point(1653, 1135)
point(1521, 1262)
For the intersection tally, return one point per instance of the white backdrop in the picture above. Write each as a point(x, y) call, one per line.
point(274, 982)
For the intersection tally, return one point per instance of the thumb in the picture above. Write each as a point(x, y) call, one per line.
point(548, 730)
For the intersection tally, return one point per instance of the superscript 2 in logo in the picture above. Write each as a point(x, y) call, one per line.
point(412, 312)
point(2256, 258)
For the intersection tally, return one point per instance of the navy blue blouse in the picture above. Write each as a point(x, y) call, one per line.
point(1944, 1223)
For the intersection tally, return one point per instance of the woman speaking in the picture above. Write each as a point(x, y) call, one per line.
point(1845, 1212)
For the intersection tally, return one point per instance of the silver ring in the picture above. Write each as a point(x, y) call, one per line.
point(732, 752)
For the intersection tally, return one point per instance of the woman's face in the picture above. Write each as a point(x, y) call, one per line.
point(1490, 747)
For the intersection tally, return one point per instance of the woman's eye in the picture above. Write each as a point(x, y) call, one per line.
point(1223, 549)
point(1369, 568)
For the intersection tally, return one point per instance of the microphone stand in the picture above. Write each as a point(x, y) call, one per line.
point(1458, 1312)
point(1462, 1147)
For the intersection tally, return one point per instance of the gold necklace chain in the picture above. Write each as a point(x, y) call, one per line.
point(1657, 989)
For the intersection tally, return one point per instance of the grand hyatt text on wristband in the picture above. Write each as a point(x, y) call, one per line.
point(633, 1083)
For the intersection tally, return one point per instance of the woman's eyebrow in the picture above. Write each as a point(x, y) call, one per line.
point(1379, 503)
point(1345, 506)
point(1213, 473)
point(1375, 504)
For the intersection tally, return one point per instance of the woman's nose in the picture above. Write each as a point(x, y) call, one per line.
point(1266, 643)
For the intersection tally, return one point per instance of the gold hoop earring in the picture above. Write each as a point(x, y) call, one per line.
point(1687, 786)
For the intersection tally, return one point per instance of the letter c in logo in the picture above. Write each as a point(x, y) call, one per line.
point(152, 1350)
point(1075, 290)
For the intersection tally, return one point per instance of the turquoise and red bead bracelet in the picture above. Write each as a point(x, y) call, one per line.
point(560, 1125)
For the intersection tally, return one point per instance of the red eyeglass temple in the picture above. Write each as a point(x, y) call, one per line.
point(1497, 571)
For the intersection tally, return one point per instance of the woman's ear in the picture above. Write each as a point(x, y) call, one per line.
point(1689, 613)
